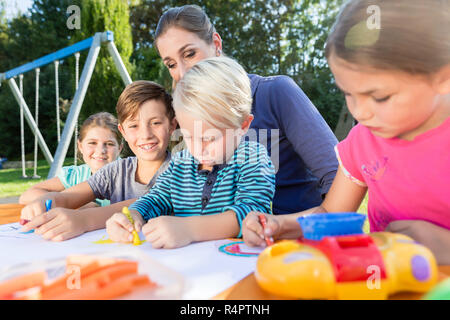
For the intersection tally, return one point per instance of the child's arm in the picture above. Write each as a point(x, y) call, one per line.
point(172, 232)
point(436, 238)
point(343, 196)
point(71, 198)
point(62, 224)
point(40, 189)
point(156, 203)
point(255, 190)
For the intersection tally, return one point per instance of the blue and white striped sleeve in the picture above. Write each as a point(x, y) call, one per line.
point(157, 202)
point(256, 183)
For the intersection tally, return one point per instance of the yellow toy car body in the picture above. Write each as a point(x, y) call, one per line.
point(370, 266)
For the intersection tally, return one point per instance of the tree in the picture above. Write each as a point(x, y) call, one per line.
point(304, 59)
point(42, 31)
point(106, 84)
point(266, 37)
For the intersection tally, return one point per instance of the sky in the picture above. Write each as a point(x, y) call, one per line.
point(14, 6)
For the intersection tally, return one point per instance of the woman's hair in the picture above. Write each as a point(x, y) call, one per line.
point(190, 18)
point(138, 92)
point(216, 90)
point(412, 36)
point(103, 120)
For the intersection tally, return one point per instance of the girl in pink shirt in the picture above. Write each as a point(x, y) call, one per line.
point(394, 70)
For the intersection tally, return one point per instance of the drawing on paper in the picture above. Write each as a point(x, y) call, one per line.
point(239, 249)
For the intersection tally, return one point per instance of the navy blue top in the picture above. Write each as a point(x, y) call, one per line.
point(302, 149)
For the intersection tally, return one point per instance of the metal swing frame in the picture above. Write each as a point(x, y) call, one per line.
point(94, 45)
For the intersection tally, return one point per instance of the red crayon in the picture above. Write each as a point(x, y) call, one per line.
point(263, 221)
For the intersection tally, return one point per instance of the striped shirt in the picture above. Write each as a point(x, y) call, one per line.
point(246, 182)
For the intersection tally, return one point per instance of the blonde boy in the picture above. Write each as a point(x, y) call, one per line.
point(211, 186)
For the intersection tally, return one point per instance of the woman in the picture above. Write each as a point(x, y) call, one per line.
point(297, 137)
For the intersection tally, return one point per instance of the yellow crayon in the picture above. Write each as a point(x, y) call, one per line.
point(136, 240)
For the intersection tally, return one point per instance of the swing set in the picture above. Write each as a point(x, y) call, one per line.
point(81, 85)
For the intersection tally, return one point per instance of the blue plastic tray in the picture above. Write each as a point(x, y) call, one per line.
point(319, 225)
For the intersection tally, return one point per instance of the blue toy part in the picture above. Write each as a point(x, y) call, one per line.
point(48, 204)
point(319, 225)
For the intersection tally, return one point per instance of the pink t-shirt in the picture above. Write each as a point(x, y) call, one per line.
point(407, 180)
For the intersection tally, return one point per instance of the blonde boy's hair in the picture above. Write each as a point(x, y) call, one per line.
point(216, 90)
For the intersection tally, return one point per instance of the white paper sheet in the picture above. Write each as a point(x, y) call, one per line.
point(207, 271)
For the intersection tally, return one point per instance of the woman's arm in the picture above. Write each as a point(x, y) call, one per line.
point(40, 189)
point(306, 130)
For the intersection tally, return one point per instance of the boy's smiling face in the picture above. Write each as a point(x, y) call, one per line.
point(148, 132)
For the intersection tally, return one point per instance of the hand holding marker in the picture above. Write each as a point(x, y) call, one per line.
point(48, 206)
point(263, 221)
point(136, 240)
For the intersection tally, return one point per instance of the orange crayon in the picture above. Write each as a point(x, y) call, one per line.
point(263, 221)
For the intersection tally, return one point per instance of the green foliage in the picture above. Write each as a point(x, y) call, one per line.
point(27, 37)
point(267, 37)
point(106, 83)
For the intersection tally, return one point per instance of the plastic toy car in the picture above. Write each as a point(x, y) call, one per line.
point(339, 261)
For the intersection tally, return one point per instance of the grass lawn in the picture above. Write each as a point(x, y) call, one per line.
point(11, 183)
point(363, 209)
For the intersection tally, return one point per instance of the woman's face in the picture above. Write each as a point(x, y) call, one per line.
point(181, 49)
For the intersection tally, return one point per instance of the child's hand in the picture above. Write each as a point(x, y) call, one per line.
point(167, 232)
point(252, 230)
point(57, 224)
point(36, 208)
point(120, 229)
